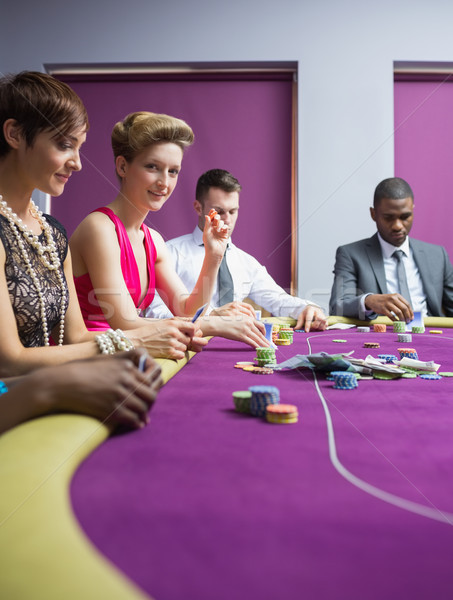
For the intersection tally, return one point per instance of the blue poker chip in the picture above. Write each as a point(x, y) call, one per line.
point(344, 380)
point(389, 358)
point(430, 376)
point(262, 396)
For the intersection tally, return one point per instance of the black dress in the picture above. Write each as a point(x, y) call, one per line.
point(22, 292)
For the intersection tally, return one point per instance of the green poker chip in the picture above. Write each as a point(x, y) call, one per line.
point(339, 341)
point(385, 375)
point(409, 375)
point(446, 374)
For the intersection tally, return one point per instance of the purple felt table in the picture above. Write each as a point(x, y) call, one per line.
point(354, 501)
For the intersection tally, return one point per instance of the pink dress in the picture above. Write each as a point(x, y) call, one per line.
point(92, 312)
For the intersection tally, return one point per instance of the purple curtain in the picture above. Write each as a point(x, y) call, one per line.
point(242, 124)
point(424, 152)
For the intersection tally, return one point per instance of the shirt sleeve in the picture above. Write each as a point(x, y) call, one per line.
point(267, 293)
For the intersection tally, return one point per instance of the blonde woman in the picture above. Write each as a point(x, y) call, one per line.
point(118, 261)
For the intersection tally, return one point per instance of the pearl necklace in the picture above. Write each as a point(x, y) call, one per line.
point(51, 262)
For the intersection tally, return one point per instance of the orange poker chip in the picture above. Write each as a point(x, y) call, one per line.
point(379, 328)
point(259, 370)
point(242, 364)
point(282, 414)
point(212, 214)
point(282, 409)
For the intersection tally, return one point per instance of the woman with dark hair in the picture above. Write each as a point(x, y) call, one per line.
point(43, 124)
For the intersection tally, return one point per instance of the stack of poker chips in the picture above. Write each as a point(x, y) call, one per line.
point(418, 329)
point(344, 380)
point(379, 328)
point(262, 396)
point(388, 358)
point(275, 331)
point(265, 356)
point(241, 401)
point(363, 329)
point(286, 333)
point(404, 337)
point(285, 336)
point(399, 327)
point(408, 353)
point(282, 413)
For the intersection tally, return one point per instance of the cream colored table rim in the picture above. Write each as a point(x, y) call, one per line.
point(43, 552)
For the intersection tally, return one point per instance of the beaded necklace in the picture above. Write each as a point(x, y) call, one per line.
point(47, 254)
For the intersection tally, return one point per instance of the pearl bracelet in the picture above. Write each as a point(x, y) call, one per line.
point(121, 341)
point(105, 344)
point(3, 388)
point(113, 341)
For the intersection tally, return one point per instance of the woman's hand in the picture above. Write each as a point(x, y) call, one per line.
point(168, 338)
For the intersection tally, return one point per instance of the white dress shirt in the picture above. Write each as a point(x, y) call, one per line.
point(250, 278)
point(414, 282)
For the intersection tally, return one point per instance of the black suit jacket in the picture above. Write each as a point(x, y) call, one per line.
point(359, 269)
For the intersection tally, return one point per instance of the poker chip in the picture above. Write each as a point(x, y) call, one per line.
point(399, 326)
point(363, 329)
point(266, 362)
point(265, 356)
point(430, 376)
point(384, 375)
point(262, 396)
point(241, 401)
point(379, 328)
point(435, 331)
point(388, 358)
point(285, 334)
point(339, 341)
point(371, 345)
point(344, 380)
point(446, 374)
point(404, 337)
point(283, 342)
point(243, 363)
point(282, 414)
point(408, 353)
point(418, 329)
point(259, 370)
point(409, 375)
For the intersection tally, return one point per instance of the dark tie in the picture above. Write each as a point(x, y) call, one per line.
point(226, 288)
point(401, 271)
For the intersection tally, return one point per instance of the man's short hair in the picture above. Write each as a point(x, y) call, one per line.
point(393, 188)
point(218, 178)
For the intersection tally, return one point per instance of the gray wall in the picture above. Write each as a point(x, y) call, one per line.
point(345, 50)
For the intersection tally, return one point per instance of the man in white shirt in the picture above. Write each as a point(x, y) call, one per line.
point(219, 190)
point(390, 274)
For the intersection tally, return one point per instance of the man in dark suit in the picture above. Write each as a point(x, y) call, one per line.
point(390, 274)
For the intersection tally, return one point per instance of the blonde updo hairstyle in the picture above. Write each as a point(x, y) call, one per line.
point(142, 129)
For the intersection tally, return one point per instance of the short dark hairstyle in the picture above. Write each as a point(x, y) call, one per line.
point(218, 178)
point(393, 188)
point(39, 102)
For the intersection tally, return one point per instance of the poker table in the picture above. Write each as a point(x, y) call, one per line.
point(354, 501)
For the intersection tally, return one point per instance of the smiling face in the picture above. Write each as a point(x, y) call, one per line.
point(225, 203)
point(49, 161)
point(393, 219)
point(150, 178)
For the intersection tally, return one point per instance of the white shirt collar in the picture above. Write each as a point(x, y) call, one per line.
point(389, 249)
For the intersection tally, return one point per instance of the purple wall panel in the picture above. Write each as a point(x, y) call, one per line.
point(424, 154)
point(241, 126)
